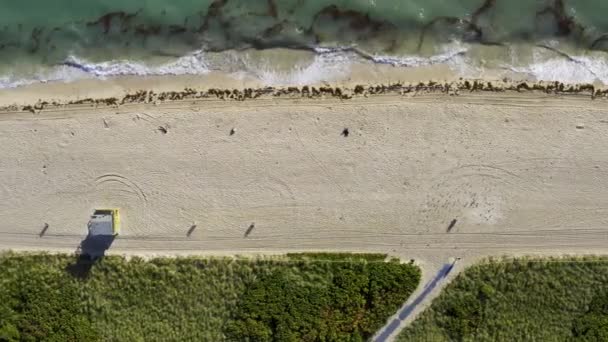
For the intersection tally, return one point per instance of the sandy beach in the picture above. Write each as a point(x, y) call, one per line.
point(426, 176)
point(434, 175)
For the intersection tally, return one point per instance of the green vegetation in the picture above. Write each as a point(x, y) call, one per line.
point(282, 298)
point(520, 300)
point(337, 256)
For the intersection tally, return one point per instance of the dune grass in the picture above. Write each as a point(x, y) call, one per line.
point(297, 298)
point(520, 300)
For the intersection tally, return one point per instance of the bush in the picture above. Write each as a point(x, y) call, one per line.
point(593, 325)
point(350, 301)
point(199, 298)
point(521, 299)
point(43, 305)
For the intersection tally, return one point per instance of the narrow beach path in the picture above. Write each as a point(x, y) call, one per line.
point(408, 310)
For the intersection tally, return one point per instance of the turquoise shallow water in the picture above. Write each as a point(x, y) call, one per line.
point(38, 34)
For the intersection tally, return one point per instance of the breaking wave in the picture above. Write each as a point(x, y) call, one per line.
point(326, 64)
point(187, 65)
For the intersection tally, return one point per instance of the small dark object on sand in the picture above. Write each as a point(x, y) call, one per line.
point(44, 229)
point(345, 132)
point(251, 226)
point(452, 224)
point(163, 129)
point(192, 228)
point(232, 131)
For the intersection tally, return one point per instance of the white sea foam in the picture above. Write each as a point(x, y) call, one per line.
point(328, 65)
point(74, 68)
point(55, 74)
point(581, 69)
point(545, 66)
point(334, 63)
point(193, 63)
point(11, 82)
point(448, 54)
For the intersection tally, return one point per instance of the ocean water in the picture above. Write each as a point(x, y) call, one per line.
point(44, 40)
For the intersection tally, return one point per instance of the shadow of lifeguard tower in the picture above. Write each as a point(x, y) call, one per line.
point(103, 227)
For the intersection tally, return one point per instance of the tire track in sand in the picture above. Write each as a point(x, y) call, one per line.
point(113, 190)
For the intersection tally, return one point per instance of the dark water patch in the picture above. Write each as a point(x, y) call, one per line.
point(106, 20)
point(565, 24)
point(126, 27)
point(469, 28)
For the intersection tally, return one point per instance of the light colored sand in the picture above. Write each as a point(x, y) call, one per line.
point(514, 171)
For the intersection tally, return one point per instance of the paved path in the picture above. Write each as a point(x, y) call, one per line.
point(390, 328)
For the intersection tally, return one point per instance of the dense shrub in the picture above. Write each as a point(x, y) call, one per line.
point(593, 325)
point(348, 301)
point(201, 299)
point(520, 300)
point(41, 304)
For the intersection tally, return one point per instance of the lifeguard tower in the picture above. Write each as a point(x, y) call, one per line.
point(105, 222)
